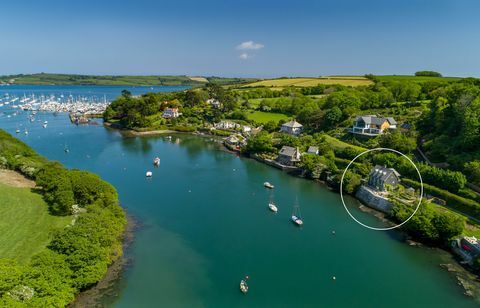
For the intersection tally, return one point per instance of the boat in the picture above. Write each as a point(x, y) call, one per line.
point(45, 122)
point(244, 285)
point(44, 125)
point(26, 131)
point(149, 174)
point(271, 205)
point(156, 161)
point(17, 131)
point(296, 216)
point(268, 185)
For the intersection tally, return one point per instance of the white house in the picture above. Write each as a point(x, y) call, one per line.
point(371, 125)
point(215, 103)
point(246, 129)
point(171, 113)
point(292, 128)
point(227, 125)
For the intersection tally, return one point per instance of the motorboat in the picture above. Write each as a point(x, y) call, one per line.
point(268, 185)
point(149, 174)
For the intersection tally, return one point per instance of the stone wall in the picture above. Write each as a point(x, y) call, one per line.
point(369, 197)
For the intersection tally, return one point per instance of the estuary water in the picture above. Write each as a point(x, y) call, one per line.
point(205, 225)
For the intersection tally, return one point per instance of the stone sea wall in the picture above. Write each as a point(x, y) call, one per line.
point(373, 200)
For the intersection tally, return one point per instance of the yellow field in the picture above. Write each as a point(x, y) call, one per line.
point(353, 81)
point(200, 79)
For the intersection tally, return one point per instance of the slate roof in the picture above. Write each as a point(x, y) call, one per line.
point(292, 124)
point(312, 149)
point(384, 172)
point(288, 151)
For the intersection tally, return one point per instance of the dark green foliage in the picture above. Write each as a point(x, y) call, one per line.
point(428, 224)
point(351, 181)
point(463, 205)
point(398, 141)
point(78, 255)
point(428, 73)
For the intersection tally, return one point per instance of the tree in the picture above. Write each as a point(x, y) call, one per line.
point(351, 181)
point(260, 143)
point(428, 73)
point(398, 141)
point(333, 116)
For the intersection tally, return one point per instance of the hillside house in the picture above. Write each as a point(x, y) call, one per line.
point(169, 113)
point(292, 128)
point(371, 125)
point(288, 156)
point(214, 103)
point(312, 150)
point(382, 177)
point(226, 125)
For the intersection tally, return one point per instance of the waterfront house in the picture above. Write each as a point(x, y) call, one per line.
point(312, 150)
point(371, 125)
point(292, 128)
point(170, 113)
point(380, 178)
point(246, 129)
point(232, 140)
point(288, 156)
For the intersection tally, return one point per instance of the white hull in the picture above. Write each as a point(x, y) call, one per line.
point(273, 207)
point(297, 220)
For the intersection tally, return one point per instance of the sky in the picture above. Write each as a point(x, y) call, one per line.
point(242, 38)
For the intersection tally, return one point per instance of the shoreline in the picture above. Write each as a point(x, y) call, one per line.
point(93, 296)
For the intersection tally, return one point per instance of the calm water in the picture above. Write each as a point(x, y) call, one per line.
point(109, 92)
point(206, 225)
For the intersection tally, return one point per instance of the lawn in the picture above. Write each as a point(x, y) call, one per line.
point(25, 224)
point(338, 144)
point(353, 81)
point(264, 117)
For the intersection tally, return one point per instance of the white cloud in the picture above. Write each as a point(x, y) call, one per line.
point(244, 56)
point(250, 45)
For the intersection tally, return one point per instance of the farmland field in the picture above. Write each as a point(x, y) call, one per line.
point(264, 117)
point(25, 224)
point(353, 81)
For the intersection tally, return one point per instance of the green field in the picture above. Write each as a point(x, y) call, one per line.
point(25, 224)
point(415, 78)
point(264, 117)
point(338, 144)
point(352, 81)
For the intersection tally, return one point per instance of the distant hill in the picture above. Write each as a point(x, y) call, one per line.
point(123, 80)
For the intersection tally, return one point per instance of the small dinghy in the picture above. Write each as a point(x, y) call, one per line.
point(156, 161)
point(268, 185)
point(244, 285)
point(149, 174)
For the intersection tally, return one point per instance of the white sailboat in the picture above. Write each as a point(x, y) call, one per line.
point(296, 215)
point(271, 204)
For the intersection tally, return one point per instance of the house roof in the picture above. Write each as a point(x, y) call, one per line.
point(293, 124)
point(312, 149)
point(391, 120)
point(383, 172)
point(373, 119)
point(288, 151)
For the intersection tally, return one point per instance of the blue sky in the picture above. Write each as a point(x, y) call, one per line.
point(280, 38)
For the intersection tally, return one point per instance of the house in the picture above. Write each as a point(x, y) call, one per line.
point(292, 128)
point(170, 113)
point(226, 125)
point(312, 150)
point(215, 103)
point(232, 140)
point(371, 125)
point(382, 177)
point(288, 156)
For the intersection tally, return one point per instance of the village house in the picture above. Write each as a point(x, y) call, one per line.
point(371, 125)
point(312, 150)
point(171, 113)
point(292, 128)
point(288, 156)
point(468, 248)
point(382, 177)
